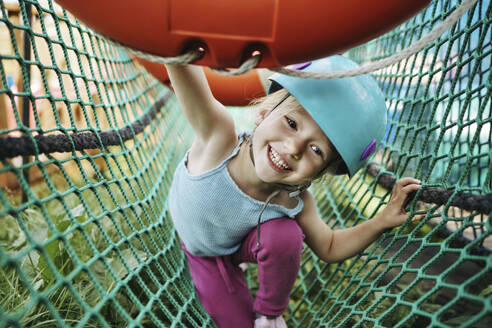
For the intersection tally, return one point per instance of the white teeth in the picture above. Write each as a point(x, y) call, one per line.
point(275, 157)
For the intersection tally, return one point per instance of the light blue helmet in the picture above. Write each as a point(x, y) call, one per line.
point(351, 111)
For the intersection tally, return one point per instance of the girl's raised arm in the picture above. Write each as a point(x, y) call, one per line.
point(209, 118)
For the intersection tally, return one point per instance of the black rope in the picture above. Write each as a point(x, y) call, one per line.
point(59, 143)
point(467, 201)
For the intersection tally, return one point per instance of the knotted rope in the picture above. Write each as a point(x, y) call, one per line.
point(59, 143)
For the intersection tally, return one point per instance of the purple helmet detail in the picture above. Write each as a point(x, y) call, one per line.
point(300, 66)
point(369, 149)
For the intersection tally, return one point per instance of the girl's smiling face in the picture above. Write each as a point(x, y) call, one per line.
point(289, 147)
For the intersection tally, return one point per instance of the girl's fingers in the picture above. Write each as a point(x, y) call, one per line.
point(401, 194)
point(402, 183)
point(409, 188)
point(418, 217)
point(408, 180)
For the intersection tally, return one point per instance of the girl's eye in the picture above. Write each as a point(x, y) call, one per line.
point(317, 150)
point(291, 123)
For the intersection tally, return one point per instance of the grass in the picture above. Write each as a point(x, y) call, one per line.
point(112, 248)
point(37, 274)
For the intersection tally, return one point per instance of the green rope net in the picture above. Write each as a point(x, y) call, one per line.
point(85, 237)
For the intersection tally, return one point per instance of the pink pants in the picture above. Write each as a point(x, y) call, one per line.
point(221, 286)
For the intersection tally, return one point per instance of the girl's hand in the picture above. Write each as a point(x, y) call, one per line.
point(264, 322)
point(394, 214)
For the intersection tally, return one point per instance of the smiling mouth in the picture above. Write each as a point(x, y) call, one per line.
point(277, 162)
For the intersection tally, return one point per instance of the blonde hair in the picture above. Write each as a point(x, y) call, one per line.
point(269, 102)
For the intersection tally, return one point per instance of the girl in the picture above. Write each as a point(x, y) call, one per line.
point(244, 198)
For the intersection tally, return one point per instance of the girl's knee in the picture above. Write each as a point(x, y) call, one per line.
point(281, 238)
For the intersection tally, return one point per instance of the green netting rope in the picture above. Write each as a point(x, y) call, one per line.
point(85, 239)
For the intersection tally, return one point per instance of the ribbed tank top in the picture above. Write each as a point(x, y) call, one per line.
point(212, 214)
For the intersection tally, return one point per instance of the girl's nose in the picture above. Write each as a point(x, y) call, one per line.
point(295, 147)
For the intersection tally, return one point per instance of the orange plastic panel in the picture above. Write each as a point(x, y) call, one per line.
point(228, 16)
point(285, 31)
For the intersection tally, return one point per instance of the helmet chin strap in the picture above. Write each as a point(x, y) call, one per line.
point(293, 190)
